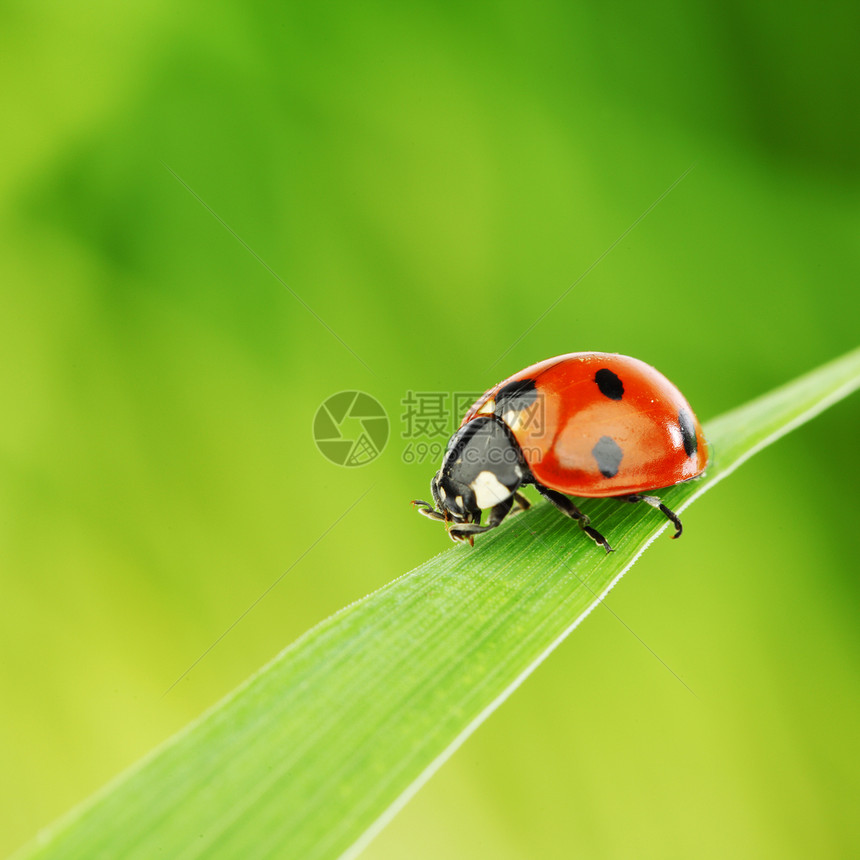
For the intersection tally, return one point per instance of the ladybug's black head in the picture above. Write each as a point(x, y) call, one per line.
point(454, 500)
point(483, 466)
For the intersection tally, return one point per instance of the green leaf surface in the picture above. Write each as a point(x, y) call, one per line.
point(314, 754)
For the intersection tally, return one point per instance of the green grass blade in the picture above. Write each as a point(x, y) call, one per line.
point(314, 754)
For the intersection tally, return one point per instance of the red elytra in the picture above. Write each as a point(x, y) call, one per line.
point(586, 397)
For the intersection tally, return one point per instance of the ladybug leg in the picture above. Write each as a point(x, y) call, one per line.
point(566, 506)
point(656, 503)
point(466, 531)
point(428, 510)
point(521, 503)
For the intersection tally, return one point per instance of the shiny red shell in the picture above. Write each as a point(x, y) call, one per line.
point(599, 424)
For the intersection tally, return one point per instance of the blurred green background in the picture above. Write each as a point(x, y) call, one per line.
point(429, 178)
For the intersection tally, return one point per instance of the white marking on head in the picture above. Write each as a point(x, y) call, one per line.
point(487, 408)
point(489, 490)
point(442, 493)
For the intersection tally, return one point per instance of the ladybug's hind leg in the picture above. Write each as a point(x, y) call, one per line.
point(566, 506)
point(656, 503)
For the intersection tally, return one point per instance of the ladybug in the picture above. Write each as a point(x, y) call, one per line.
point(590, 424)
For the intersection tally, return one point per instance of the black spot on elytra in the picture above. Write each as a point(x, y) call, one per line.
point(608, 455)
point(688, 432)
point(609, 384)
point(516, 396)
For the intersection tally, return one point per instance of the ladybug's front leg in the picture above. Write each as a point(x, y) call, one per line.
point(428, 510)
point(656, 503)
point(567, 507)
point(466, 531)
